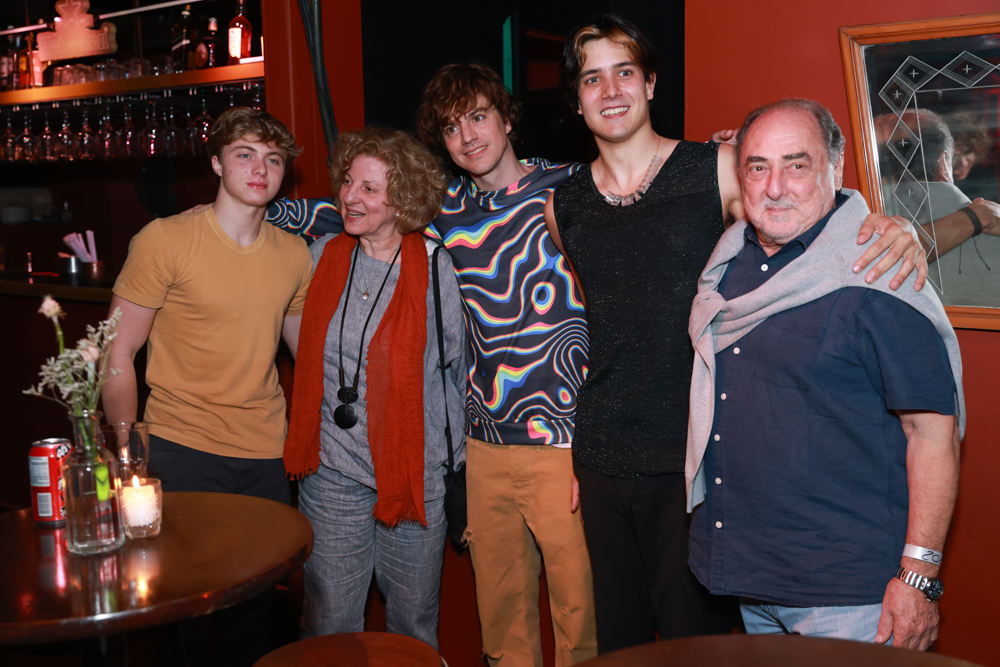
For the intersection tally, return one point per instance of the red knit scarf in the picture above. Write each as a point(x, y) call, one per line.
point(395, 379)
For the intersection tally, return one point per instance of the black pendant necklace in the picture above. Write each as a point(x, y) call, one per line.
point(346, 415)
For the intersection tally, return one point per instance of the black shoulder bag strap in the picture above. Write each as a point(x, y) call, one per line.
point(444, 383)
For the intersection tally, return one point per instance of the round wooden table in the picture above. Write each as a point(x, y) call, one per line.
point(354, 649)
point(214, 550)
point(768, 651)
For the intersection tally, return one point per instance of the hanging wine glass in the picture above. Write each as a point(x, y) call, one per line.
point(25, 147)
point(87, 139)
point(258, 97)
point(172, 144)
point(68, 139)
point(107, 137)
point(151, 135)
point(190, 145)
point(127, 138)
point(198, 131)
point(49, 149)
point(9, 141)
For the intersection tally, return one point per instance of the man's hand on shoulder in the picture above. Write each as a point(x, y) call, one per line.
point(725, 137)
point(900, 238)
point(197, 209)
point(908, 617)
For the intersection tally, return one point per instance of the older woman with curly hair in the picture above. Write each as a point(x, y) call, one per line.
point(366, 435)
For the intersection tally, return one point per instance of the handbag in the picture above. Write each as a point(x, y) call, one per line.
point(455, 498)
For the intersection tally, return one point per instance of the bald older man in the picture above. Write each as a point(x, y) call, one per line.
point(822, 461)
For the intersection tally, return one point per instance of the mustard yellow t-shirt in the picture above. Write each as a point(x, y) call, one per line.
point(210, 355)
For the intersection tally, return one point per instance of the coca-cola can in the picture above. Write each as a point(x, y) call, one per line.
point(48, 493)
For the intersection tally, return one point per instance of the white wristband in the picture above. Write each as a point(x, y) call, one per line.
point(922, 553)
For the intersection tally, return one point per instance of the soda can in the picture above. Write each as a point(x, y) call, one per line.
point(48, 493)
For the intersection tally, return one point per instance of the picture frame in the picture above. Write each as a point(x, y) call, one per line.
point(911, 86)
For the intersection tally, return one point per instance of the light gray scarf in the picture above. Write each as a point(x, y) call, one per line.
point(824, 268)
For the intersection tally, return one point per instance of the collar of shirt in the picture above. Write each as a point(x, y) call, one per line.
point(752, 267)
point(805, 239)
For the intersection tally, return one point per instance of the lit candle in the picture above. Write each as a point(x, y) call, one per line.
point(140, 506)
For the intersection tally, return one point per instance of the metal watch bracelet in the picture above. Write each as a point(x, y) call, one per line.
point(931, 588)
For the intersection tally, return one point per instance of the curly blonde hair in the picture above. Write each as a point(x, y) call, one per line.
point(417, 181)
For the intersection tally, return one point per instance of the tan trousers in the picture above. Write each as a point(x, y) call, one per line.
point(519, 500)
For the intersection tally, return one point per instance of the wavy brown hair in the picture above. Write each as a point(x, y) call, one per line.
point(416, 179)
point(453, 92)
point(239, 122)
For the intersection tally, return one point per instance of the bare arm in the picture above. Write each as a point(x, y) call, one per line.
point(119, 396)
point(550, 222)
point(290, 332)
point(956, 228)
point(730, 187)
point(932, 464)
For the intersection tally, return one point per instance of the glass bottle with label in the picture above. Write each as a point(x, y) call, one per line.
point(4, 63)
point(184, 41)
point(211, 51)
point(240, 32)
point(14, 75)
point(10, 57)
point(24, 78)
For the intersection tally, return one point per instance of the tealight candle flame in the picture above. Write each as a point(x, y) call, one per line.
point(135, 481)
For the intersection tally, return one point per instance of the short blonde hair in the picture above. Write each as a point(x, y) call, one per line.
point(417, 181)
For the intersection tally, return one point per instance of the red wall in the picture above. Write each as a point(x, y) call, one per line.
point(291, 88)
point(740, 55)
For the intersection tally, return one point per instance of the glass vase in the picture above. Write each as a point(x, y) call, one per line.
point(93, 490)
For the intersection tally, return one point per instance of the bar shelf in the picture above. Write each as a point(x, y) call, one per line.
point(189, 79)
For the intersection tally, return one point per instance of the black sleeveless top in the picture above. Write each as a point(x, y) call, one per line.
point(639, 267)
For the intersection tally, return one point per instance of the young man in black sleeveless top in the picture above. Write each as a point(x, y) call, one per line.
point(639, 225)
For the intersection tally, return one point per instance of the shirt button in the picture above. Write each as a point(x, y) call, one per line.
point(723, 397)
point(718, 524)
point(736, 350)
point(718, 437)
point(718, 480)
point(763, 267)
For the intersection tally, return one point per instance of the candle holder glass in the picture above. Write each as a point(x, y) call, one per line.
point(129, 441)
point(142, 508)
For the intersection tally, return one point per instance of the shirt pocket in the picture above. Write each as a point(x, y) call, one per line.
point(788, 349)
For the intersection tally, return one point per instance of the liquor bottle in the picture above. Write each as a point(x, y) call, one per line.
point(184, 41)
point(24, 78)
point(211, 51)
point(4, 64)
point(240, 32)
point(13, 75)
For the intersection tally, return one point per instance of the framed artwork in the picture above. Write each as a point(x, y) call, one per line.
point(924, 99)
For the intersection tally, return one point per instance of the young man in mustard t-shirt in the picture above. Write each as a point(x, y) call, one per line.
point(212, 292)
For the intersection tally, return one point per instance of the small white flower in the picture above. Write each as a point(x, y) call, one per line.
point(50, 308)
point(90, 352)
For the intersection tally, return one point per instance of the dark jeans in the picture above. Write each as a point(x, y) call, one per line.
point(637, 535)
point(242, 632)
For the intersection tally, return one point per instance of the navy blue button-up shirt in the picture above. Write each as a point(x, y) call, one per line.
point(807, 497)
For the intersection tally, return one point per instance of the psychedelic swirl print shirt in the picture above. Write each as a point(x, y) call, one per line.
point(526, 322)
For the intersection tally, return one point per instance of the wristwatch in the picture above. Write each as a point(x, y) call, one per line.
point(931, 588)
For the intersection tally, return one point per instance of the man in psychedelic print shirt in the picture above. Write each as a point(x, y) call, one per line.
point(527, 358)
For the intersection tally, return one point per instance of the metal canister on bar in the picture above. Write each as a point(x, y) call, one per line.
point(48, 493)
